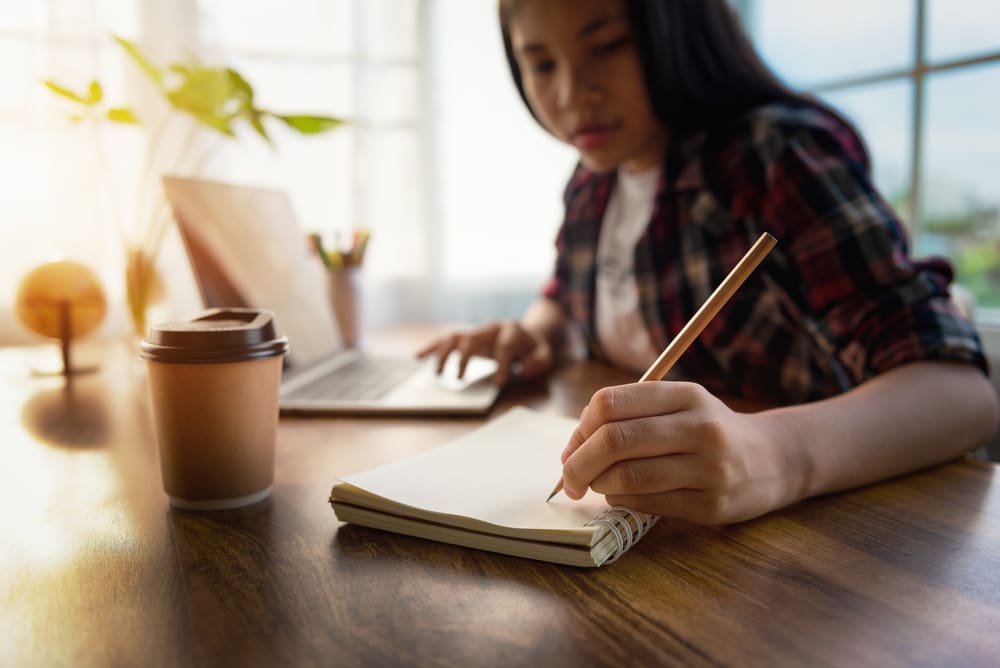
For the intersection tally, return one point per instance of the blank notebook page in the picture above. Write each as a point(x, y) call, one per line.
point(499, 474)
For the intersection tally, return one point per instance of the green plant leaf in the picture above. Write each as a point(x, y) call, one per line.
point(95, 92)
point(140, 59)
point(221, 124)
point(203, 90)
point(242, 90)
point(65, 92)
point(242, 95)
point(256, 122)
point(122, 115)
point(210, 95)
point(310, 125)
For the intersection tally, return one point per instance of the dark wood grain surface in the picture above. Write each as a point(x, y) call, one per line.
point(97, 570)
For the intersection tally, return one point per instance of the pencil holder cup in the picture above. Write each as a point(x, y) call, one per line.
point(344, 288)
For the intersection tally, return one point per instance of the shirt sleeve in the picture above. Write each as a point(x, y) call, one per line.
point(873, 305)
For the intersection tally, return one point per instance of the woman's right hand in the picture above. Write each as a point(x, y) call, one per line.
point(518, 352)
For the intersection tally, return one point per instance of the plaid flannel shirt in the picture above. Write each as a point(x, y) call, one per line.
point(837, 301)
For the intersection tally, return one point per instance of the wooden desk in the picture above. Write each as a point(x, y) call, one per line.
point(96, 570)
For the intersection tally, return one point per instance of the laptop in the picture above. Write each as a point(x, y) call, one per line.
point(247, 249)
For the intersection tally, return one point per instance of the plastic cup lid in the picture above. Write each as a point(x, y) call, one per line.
point(216, 335)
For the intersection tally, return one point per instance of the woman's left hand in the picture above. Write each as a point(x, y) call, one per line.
point(675, 450)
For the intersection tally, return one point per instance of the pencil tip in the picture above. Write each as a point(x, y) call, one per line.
point(555, 490)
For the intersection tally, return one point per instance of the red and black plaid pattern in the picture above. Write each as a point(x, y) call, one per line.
point(836, 302)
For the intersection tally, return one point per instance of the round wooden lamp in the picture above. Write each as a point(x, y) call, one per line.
point(61, 300)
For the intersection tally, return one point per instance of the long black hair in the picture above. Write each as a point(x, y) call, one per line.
point(700, 67)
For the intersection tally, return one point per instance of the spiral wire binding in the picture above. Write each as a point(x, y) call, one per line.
point(616, 519)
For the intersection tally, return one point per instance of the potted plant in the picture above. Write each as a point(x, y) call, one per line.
point(218, 99)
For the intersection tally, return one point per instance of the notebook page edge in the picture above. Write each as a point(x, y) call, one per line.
point(586, 556)
point(514, 455)
point(346, 493)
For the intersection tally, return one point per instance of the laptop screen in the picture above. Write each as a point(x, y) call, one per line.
point(247, 249)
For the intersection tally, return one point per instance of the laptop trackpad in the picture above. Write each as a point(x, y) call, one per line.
point(426, 388)
point(478, 368)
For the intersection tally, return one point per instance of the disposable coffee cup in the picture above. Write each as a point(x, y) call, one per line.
point(213, 382)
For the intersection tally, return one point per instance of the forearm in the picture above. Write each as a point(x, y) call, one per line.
point(545, 318)
point(906, 419)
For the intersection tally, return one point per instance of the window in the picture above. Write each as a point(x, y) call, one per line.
point(921, 80)
point(359, 59)
point(52, 201)
point(432, 161)
point(499, 176)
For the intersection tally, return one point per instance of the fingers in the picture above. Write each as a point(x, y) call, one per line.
point(475, 342)
point(511, 343)
point(465, 347)
point(508, 343)
point(441, 348)
point(621, 441)
point(635, 400)
point(428, 349)
point(651, 475)
point(444, 348)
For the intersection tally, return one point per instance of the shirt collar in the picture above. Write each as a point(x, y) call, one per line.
point(682, 165)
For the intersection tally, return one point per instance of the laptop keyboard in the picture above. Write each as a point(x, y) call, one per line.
point(360, 379)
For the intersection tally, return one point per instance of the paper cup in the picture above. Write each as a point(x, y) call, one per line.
point(214, 382)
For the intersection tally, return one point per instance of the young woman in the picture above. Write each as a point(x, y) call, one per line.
point(689, 149)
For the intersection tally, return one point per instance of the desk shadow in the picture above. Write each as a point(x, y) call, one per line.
point(370, 554)
point(68, 416)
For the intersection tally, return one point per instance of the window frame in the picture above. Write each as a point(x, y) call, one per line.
point(917, 74)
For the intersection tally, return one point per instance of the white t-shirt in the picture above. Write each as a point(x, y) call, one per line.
point(620, 328)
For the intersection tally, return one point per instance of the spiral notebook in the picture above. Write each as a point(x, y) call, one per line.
point(487, 489)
